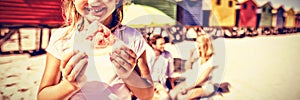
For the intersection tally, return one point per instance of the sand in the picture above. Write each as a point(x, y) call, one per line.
point(258, 68)
point(20, 76)
point(263, 68)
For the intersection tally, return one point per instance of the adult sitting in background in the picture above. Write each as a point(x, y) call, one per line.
point(201, 66)
point(161, 67)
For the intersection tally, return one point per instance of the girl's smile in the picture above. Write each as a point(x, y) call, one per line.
point(95, 9)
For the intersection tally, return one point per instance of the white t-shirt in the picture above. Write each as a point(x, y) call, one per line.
point(197, 68)
point(101, 81)
point(161, 68)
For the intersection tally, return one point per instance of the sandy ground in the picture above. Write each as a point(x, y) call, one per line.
point(20, 76)
point(258, 68)
point(263, 68)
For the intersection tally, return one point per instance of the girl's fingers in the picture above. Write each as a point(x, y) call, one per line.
point(121, 70)
point(123, 63)
point(122, 58)
point(127, 54)
point(77, 69)
point(72, 62)
point(128, 51)
point(66, 59)
point(120, 62)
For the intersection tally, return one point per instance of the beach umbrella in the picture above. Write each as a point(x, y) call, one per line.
point(139, 16)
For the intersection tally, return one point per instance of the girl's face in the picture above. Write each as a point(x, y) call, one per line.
point(95, 9)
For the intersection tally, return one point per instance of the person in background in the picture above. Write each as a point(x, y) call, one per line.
point(201, 67)
point(161, 67)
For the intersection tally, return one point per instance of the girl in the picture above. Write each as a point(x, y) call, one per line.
point(109, 76)
point(202, 67)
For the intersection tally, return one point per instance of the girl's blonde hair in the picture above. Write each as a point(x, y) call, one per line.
point(206, 51)
point(71, 16)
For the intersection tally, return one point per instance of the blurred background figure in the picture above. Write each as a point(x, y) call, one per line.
point(200, 65)
point(161, 67)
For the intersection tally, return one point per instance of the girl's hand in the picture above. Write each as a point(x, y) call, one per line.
point(124, 60)
point(72, 64)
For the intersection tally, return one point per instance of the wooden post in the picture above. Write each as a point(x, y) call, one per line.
point(19, 41)
point(36, 40)
point(41, 39)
